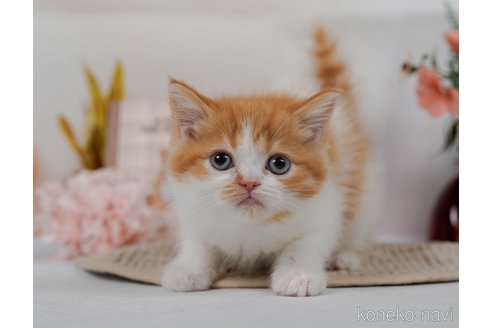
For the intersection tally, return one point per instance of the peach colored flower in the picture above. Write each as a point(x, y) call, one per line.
point(430, 92)
point(452, 37)
point(453, 97)
point(432, 96)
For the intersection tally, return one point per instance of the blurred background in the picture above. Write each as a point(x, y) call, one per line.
point(224, 47)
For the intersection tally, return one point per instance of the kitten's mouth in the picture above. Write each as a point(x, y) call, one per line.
point(250, 202)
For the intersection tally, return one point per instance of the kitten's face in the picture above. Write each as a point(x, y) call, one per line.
point(252, 153)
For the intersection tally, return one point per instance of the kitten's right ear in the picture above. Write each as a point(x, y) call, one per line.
point(315, 113)
point(188, 107)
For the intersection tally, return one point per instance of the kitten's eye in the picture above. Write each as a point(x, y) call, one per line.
point(278, 164)
point(221, 161)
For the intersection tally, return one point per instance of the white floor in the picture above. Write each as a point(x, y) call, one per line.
point(66, 296)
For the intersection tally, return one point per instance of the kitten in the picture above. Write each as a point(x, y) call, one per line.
point(267, 178)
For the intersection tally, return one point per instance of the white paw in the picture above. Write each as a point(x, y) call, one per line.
point(348, 260)
point(182, 278)
point(298, 283)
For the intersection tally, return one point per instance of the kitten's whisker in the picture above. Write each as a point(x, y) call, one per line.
point(299, 209)
point(202, 209)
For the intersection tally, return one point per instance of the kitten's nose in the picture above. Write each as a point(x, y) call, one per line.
point(249, 185)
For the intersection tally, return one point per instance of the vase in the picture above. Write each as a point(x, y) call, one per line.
point(445, 221)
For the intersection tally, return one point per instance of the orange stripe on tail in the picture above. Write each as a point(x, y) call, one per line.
point(331, 71)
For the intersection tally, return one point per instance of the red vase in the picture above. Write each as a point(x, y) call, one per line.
point(445, 223)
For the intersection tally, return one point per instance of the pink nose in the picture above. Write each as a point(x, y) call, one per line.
point(249, 185)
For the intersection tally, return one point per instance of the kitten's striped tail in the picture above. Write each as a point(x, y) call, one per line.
point(331, 71)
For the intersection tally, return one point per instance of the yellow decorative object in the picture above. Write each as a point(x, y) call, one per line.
point(91, 152)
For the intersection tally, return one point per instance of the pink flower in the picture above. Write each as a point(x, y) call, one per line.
point(92, 211)
point(454, 101)
point(452, 37)
point(432, 96)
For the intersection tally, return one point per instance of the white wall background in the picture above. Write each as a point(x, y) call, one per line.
point(232, 46)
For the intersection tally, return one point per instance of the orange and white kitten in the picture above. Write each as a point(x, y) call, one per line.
point(267, 178)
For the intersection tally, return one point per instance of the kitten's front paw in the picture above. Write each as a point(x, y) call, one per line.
point(298, 283)
point(182, 278)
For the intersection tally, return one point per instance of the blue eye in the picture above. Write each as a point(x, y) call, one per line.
point(221, 161)
point(278, 164)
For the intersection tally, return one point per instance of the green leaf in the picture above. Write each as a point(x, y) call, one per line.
point(423, 59)
point(67, 131)
point(454, 71)
point(452, 135)
point(452, 17)
point(117, 88)
point(434, 61)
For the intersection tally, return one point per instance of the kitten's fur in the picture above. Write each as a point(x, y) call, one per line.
point(309, 215)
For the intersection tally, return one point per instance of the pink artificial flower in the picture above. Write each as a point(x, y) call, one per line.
point(432, 96)
point(452, 36)
point(454, 101)
point(91, 212)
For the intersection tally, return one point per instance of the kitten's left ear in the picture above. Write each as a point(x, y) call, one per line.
point(315, 113)
point(189, 108)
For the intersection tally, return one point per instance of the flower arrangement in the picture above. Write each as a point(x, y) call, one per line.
point(91, 212)
point(91, 152)
point(438, 89)
point(96, 209)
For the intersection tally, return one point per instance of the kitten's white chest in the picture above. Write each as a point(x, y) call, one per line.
point(237, 235)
